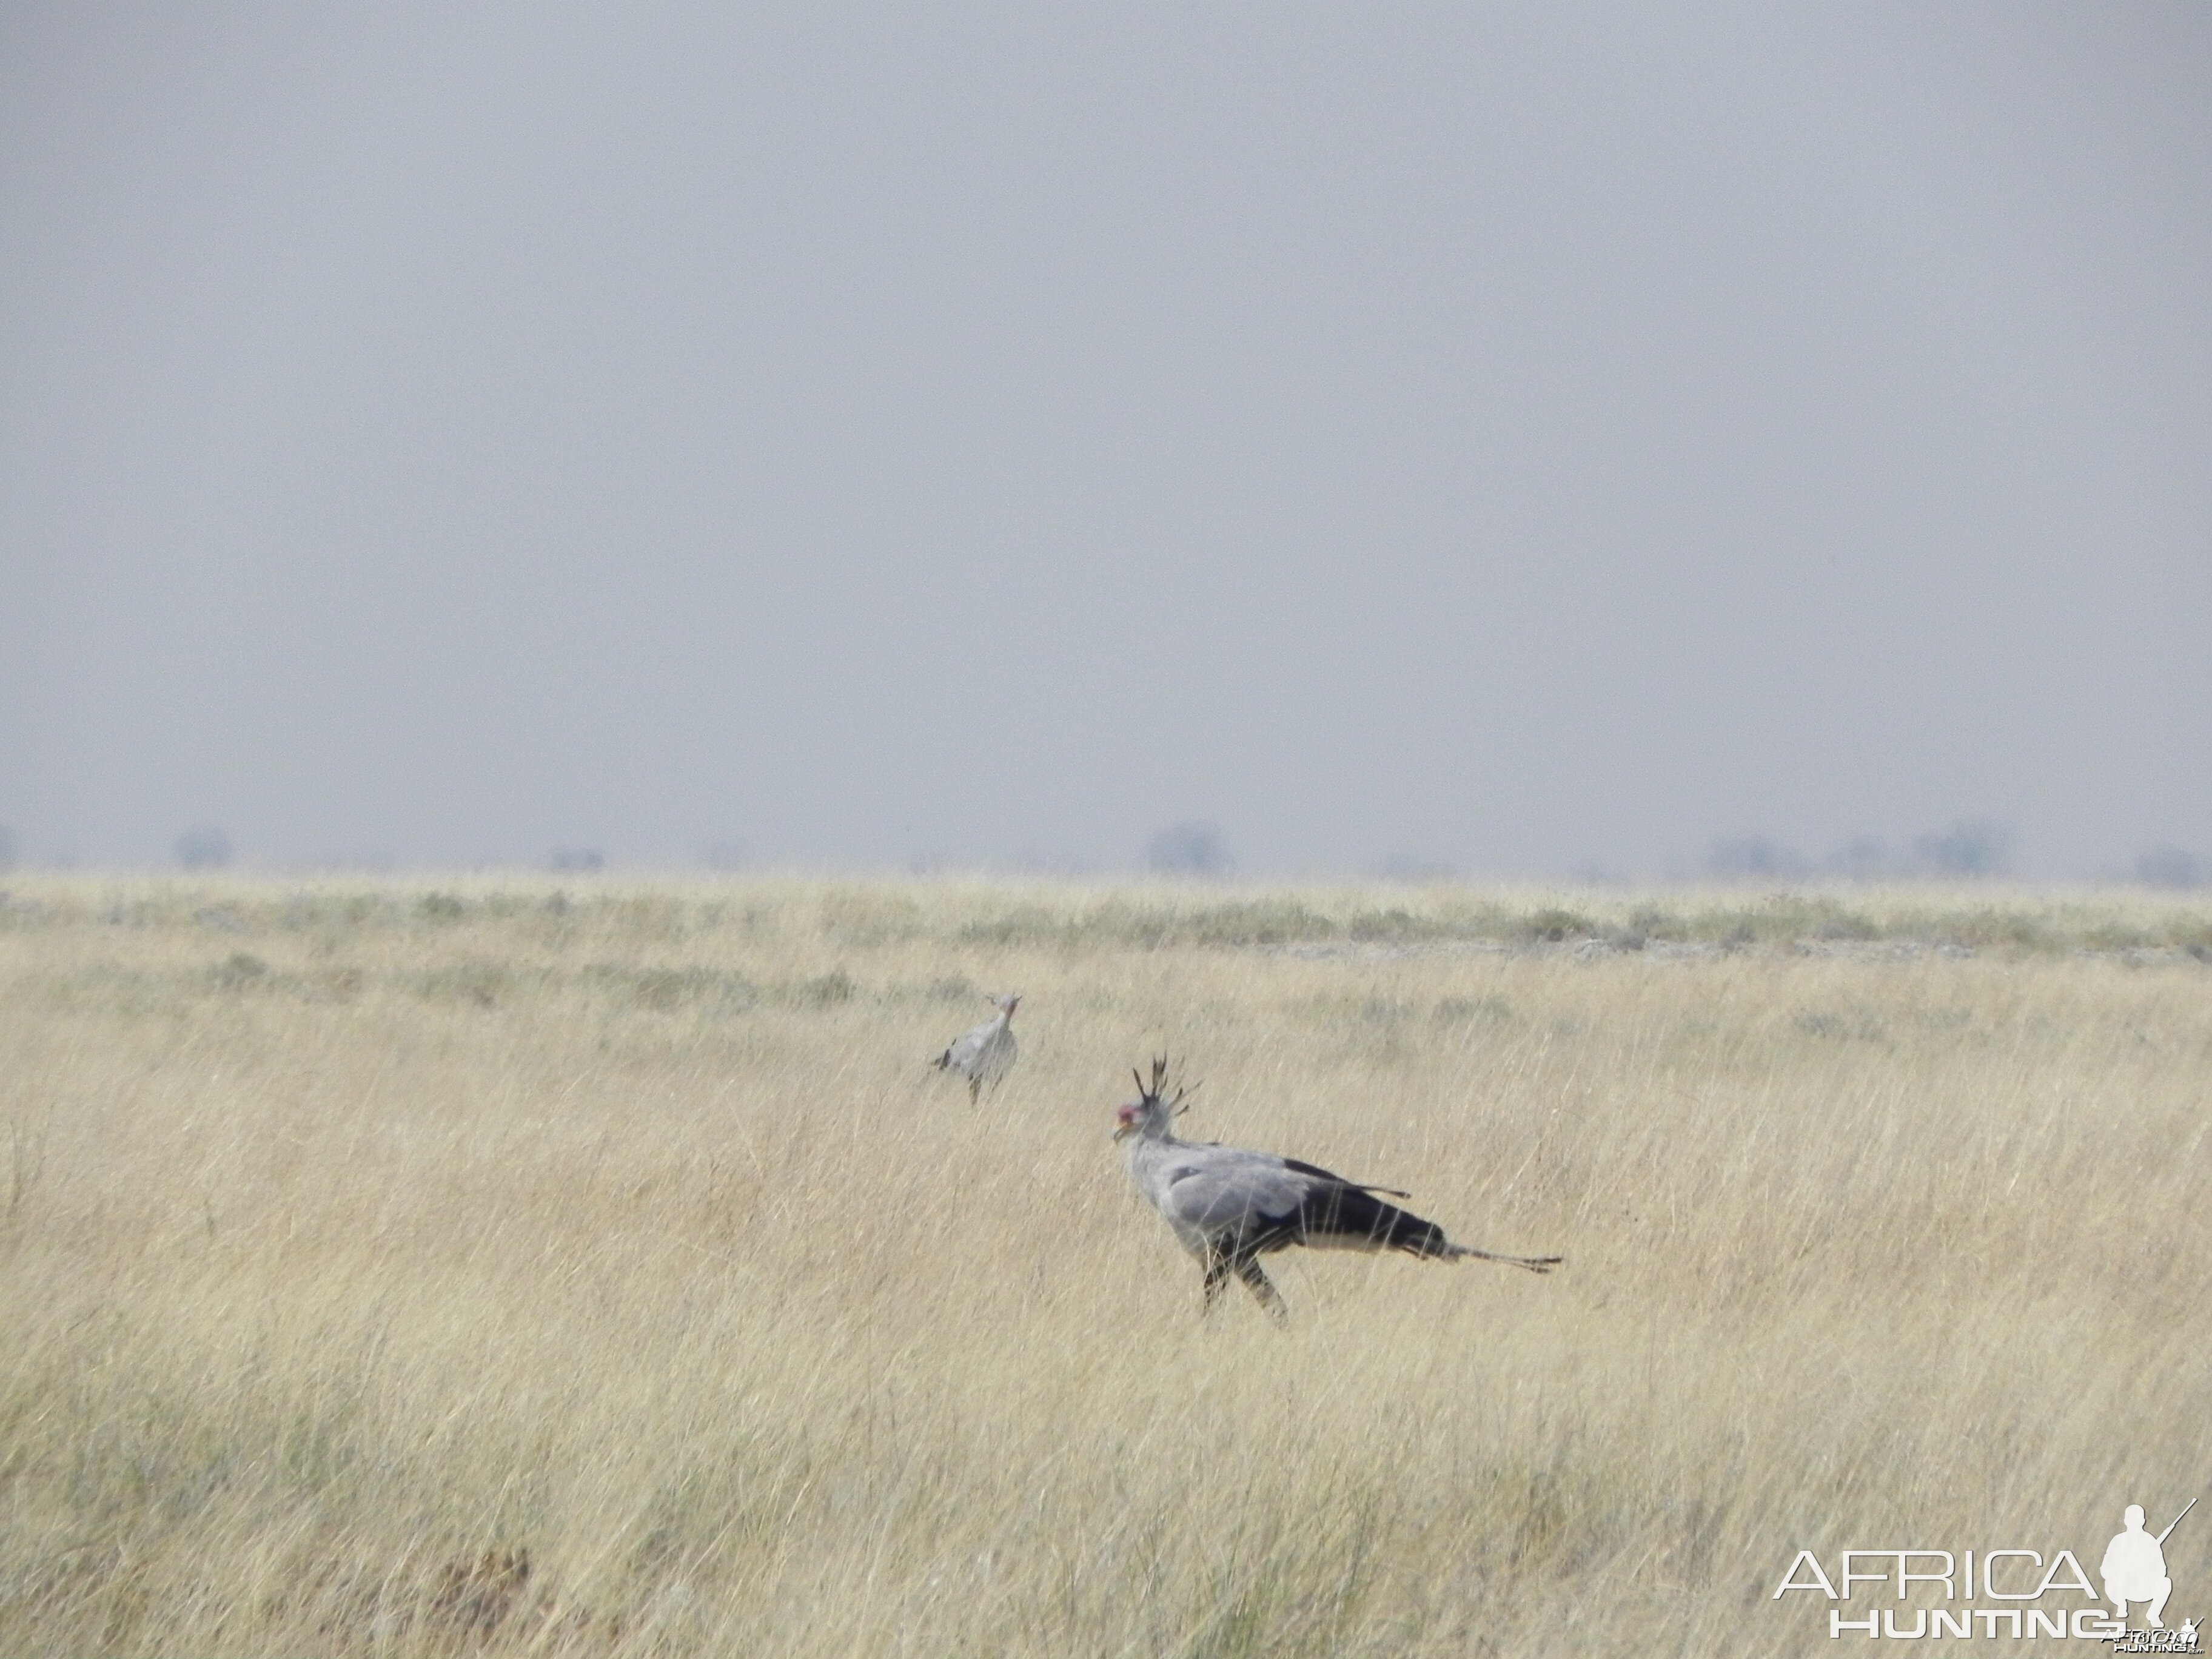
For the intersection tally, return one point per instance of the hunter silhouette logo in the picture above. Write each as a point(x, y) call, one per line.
point(2008, 1594)
point(2134, 1567)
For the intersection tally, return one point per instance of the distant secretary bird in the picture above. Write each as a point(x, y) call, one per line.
point(1229, 1207)
point(986, 1054)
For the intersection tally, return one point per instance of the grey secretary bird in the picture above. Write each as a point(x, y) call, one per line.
point(1229, 1206)
point(985, 1054)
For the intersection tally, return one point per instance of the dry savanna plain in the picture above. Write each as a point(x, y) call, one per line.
point(507, 1265)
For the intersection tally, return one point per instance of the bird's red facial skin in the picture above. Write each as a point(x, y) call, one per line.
point(1127, 1119)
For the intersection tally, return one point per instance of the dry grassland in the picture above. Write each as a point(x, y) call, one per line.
point(388, 1270)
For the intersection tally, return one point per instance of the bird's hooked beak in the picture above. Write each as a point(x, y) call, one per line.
point(1125, 1123)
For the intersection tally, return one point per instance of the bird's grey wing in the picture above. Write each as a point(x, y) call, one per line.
point(1220, 1191)
point(1256, 1201)
point(965, 1046)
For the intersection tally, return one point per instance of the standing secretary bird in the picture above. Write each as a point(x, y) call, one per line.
point(985, 1054)
point(1229, 1207)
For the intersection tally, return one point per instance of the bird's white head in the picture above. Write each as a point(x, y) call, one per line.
point(1154, 1112)
point(1006, 1004)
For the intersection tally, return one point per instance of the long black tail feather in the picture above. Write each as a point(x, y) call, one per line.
point(1342, 1210)
point(1345, 1212)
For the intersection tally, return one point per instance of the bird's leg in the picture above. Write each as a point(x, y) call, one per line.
point(975, 1089)
point(1217, 1275)
point(1256, 1280)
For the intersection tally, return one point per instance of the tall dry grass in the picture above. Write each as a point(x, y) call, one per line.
point(389, 1269)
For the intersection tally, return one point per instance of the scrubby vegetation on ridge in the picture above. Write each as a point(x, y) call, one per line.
point(1076, 916)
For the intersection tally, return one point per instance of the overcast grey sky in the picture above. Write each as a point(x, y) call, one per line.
point(1528, 438)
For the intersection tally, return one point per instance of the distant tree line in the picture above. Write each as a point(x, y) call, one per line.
point(1971, 849)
